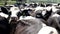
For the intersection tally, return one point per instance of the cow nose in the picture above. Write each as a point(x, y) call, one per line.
point(14, 18)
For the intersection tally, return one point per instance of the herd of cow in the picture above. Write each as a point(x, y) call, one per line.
point(30, 19)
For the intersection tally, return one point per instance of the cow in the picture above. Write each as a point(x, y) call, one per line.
point(30, 25)
point(45, 13)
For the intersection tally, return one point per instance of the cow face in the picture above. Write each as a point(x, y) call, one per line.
point(14, 13)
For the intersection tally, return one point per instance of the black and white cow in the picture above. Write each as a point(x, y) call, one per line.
point(4, 22)
point(43, 12)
